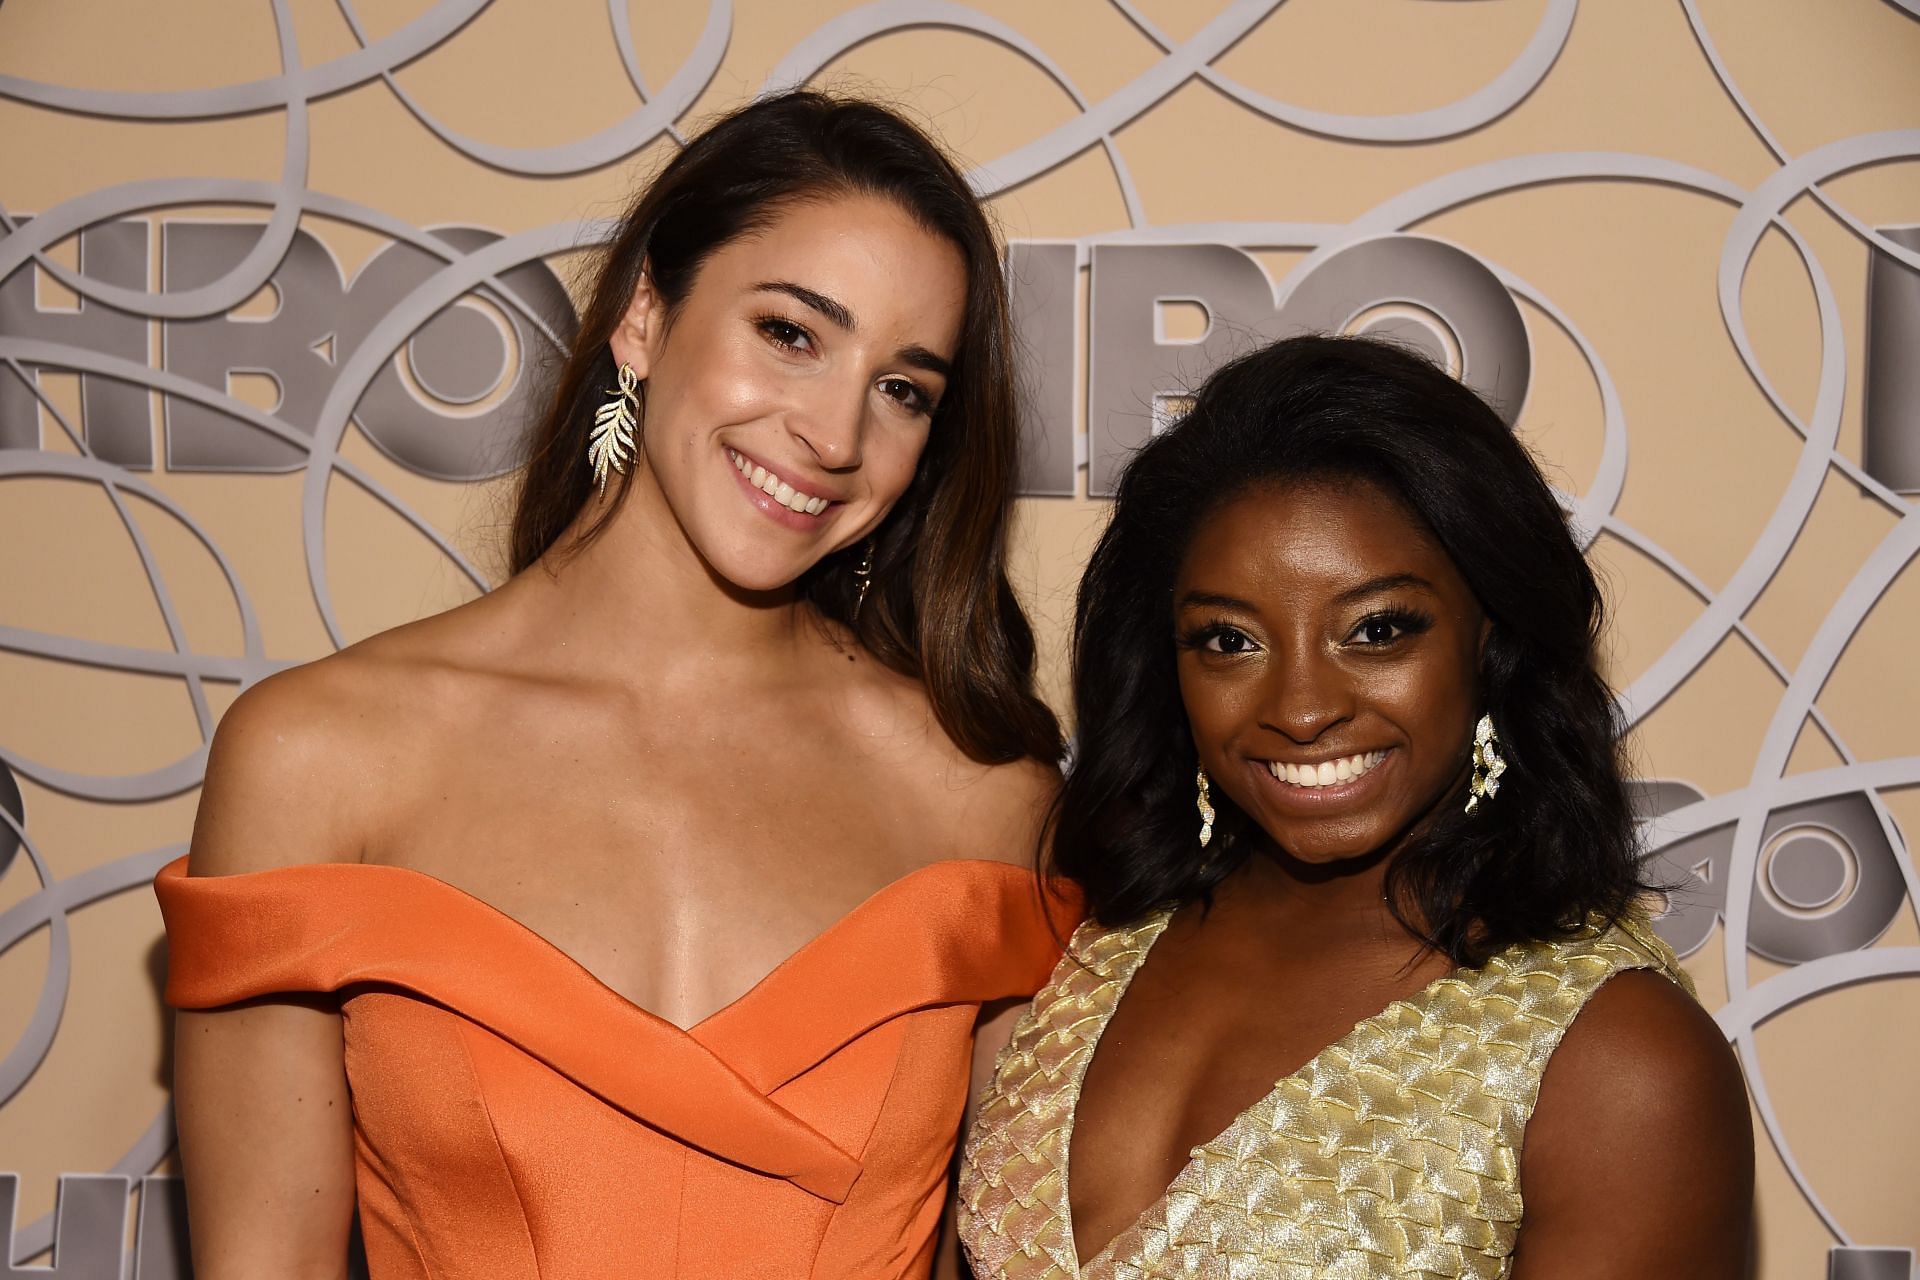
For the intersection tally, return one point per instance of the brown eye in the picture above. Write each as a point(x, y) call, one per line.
point(1228, 640)
point(907, 394)
point(785, 333)
point(1379, 631)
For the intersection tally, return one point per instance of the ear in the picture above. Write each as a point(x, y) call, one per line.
point(636, 339)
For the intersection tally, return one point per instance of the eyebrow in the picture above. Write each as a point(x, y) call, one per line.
point(1388, 582)
point(1209, 600)
point(1372, 586)
point(832, 310)
point(921, 358)
point(917, 356)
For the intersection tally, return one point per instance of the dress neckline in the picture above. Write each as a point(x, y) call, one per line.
point(470, 902)
point(960, 931)
point(1149, 931)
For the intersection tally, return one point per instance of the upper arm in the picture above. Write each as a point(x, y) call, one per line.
point(1001, 814)
point(1639, 1157)
point(280, 787)
point(266, 1134)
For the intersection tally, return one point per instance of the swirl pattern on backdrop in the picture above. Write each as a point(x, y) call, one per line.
point(1744, 827)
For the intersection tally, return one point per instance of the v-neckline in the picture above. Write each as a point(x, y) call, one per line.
point(952, 932)
point(726, 1012)
point(1154, 927)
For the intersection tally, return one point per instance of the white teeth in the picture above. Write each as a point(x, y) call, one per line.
point(1328, 772)
point(777, 489)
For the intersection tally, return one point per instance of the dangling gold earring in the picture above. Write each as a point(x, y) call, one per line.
point(610, 447)
point(1205, 805)
point(864, 576)
point(1487, 764)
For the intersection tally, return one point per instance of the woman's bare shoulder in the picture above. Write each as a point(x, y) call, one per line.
point(1001, 810)
point(302, 762)
point(975, 809)
point(1641, 1146)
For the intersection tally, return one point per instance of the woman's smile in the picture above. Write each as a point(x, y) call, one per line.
point(1331, 783)
point(1330, 648)
point(778, 497)
point(798, 363)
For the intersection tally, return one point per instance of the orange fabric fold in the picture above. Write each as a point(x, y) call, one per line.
point(846, 1054)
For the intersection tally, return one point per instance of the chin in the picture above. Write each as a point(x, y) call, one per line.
point(759, 578)
point(1324, 848)
point(754, 565)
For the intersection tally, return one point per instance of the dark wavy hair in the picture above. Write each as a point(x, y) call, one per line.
point(1554, 849)
point(940, 608)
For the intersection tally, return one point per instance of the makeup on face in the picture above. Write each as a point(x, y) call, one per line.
point(790, 397)
point(1328, 654)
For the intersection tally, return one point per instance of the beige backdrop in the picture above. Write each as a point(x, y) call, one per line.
point(1698, 373)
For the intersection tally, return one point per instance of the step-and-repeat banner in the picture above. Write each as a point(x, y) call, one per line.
point(275, 278)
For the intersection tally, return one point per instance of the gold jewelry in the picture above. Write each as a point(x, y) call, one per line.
point(1205, 805)
point(864, 575)
point(1487, 764)
point(610, 446)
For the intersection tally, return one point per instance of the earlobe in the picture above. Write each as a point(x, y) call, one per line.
point(638, 332)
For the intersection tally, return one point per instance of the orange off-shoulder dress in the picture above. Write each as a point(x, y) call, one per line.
point(516, 1118)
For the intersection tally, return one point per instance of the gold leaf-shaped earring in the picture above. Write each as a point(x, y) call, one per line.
point(1205, 805)
point(1487, 764)
point(610, 446)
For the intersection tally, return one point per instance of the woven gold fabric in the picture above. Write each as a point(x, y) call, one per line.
point(1393, 1153)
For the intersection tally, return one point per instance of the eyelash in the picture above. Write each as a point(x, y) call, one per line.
point(917, 400)
point(1203, 636)
point(775, 328)
point(1409, 622)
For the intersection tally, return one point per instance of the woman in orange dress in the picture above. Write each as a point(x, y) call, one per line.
point(637, 918)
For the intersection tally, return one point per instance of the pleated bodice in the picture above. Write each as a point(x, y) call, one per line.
point(1394, 1152)
point(515, 1117)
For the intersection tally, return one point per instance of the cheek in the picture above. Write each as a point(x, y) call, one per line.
point(1431, 701)
point(890, 457)
point(1216, 704)
point(708, 385)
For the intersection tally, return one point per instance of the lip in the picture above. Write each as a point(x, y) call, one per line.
point(764, 502)
point(1320, 800)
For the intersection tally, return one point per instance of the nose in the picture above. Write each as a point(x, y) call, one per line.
point(833, 426)
point(1306, 694)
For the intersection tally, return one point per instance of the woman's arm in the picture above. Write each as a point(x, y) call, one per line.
point(1639, 1157)
point(1004, 819)
point(260, 1089)
point(991, 1035)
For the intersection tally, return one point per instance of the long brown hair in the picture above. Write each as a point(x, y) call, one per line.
point(940, 608)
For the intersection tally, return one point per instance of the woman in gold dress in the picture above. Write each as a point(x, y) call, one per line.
point(1348, 810)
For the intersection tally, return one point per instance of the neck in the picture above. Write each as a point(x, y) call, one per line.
point(1322, 905)
point(640, 587)
point(1351, 886)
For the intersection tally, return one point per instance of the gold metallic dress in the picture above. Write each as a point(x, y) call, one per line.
point(1395, 1152)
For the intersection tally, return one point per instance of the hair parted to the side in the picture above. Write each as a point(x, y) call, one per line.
point(1555, 848)
point(940, 608)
